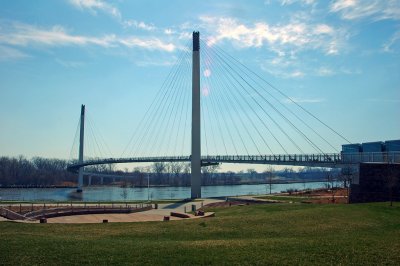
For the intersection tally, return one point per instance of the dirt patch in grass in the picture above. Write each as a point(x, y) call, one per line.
point(232, 203)
point(317, 196)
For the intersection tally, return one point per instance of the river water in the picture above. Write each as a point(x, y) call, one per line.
point(109, 193)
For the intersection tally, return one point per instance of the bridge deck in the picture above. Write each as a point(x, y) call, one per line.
point(313, 160)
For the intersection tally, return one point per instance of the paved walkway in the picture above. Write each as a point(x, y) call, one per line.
point(164, 209)
point(151, 215)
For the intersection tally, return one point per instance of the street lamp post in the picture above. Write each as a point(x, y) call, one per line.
point(148, 186)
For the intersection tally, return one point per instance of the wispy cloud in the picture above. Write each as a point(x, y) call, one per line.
point(298, 35)
point(168, 31)
point(325, 71)
point(139, 25)
point(18, 34)
point(293, 66)
point(387, 46)
point(359, 9)
point(23, 35)
point(286, 70)
point(374, 10)
point(304, 2)
point(147, 43)
point(296, 74)
point(96, 5)
point(11, 54)
point(349, 71)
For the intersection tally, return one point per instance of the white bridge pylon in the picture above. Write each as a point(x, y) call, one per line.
point(195, 160)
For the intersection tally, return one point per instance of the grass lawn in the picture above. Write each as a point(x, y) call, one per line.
point(359, 234)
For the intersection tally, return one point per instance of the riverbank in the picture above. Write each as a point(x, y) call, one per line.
point(95, 194)
point(90, 212)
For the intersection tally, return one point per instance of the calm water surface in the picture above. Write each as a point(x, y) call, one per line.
point(118, 193)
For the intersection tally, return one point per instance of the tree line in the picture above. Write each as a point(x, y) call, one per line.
point(38, 171)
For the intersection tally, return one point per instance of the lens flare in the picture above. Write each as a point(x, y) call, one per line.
point(205, 91)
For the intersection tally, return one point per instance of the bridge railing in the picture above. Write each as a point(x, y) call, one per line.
point(11, 215)
point(328, 158)
point(332, 158)
point(141, 159)
point(94, 161)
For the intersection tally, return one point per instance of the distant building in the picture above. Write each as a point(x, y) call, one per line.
point(351, 148)
point(376, 146)
point(377, 180)
point(377, 151)
point(392, 145)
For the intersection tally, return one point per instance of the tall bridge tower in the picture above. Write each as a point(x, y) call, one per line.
point(196, 129)
point(81, 145)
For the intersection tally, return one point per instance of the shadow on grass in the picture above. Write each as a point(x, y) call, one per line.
point(177, 204)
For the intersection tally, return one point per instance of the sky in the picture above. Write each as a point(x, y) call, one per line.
point(340, 59)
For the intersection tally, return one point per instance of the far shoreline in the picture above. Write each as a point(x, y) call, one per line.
point(215, 185)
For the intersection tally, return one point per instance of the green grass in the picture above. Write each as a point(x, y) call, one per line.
point(281, 234)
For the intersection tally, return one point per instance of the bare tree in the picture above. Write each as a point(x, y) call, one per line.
point(330, 180)
point(231, 177)
point(158, 168)
point(124, 193)
point(176, 169)
point(346, 176)
point(252, 174)
point(111, 167)
point(138, 176)
point(209, 173)
point(269, 175)
point(168, 172)
point(186, 174)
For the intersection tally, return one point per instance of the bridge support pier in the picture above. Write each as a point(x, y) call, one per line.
point(196, 144)
point(81, 145)
point(90, 181)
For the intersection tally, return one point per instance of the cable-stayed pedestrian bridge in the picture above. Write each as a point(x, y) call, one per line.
point(215, 104)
